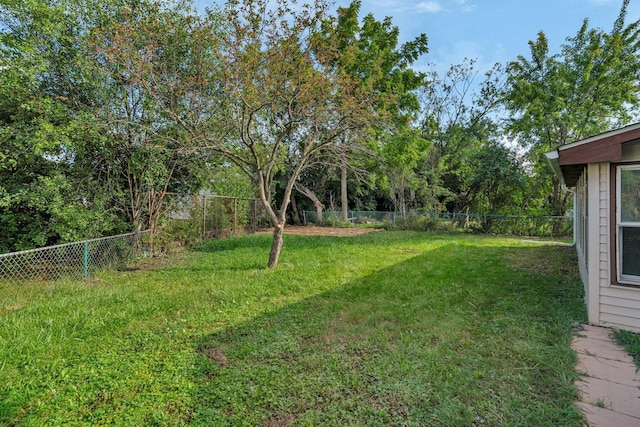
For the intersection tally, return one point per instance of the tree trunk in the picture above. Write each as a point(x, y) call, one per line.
point(294, 210)
point(276, 245)
point(343, 194)
point(559, 203)
point(466, 217)
point(316, 202)
point(402, 201)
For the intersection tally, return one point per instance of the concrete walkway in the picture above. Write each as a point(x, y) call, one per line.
point(610, 396)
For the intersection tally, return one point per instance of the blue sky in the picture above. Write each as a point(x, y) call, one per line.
point(493, 30)
point(488, 31)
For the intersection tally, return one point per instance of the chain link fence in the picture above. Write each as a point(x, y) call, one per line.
point(516, 225)
point(186, 219)
point(194, 217)
point(72, 260)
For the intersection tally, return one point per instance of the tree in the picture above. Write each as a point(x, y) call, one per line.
point(261, 92)
point(401, 153)
point(140, 44)
point(45, 196)
point(495, 182)
point(87, 151)
point(586, 89)
point(369, 52)
point(460, 122)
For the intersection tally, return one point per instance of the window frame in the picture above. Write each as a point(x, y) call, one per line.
point(623, 279)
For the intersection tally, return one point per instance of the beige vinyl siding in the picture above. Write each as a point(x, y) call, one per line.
point(607, 305)
point(604, 222)
point(619, 305)
point(594, 244)
point(620, 308)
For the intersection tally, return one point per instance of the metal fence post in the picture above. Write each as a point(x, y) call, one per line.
point(204, 217)
point(235, 215)
point(85, 261)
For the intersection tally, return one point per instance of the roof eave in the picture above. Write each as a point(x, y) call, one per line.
point(553, 158)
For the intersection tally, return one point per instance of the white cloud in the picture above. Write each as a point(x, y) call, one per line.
point(428, 7)
point(465, 6)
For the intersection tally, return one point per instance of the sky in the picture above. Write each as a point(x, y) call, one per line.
point(488, 31)
point(491, 31)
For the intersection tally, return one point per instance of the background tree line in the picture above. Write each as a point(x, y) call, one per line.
point(106, 106)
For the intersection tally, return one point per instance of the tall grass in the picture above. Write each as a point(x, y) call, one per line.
point(395, 328)
point(630, 342)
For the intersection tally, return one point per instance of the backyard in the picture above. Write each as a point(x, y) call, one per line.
point(387, 328)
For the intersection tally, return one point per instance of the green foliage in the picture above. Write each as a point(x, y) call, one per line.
point(415, 222)
point(84, 152)
point(495, 181)
point(550, 227)
point(184, 220)
point(334, 221)
point(368, 51)
point(388, 328)
point(585, 90)
point(107, 106)
point(229, 180)
point(467, 169)
point(630, 342)
point(45, 195)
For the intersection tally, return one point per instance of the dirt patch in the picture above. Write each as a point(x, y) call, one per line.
point(155, 262)
point(15, 307)
point(280, 421)
point(217, 355)
point(312, 230)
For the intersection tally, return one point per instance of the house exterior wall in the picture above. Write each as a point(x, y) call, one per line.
point(592, 165)
point(608, 304)
point(619, 306)
point(593, 237)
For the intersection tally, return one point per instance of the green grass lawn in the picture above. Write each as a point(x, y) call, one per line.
point(390, 328)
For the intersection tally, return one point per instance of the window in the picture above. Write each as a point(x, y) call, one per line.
point(628, 224)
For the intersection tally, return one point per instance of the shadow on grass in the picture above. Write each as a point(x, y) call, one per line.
point(455, 336)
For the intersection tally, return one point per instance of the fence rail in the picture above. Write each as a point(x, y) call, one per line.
point(72, 260)
point(517, 225)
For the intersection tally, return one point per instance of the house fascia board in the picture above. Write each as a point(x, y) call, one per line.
point(605, 135)
point(569, 160)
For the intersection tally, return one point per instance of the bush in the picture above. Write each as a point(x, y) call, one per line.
point(412, 222)
point(335, 221)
